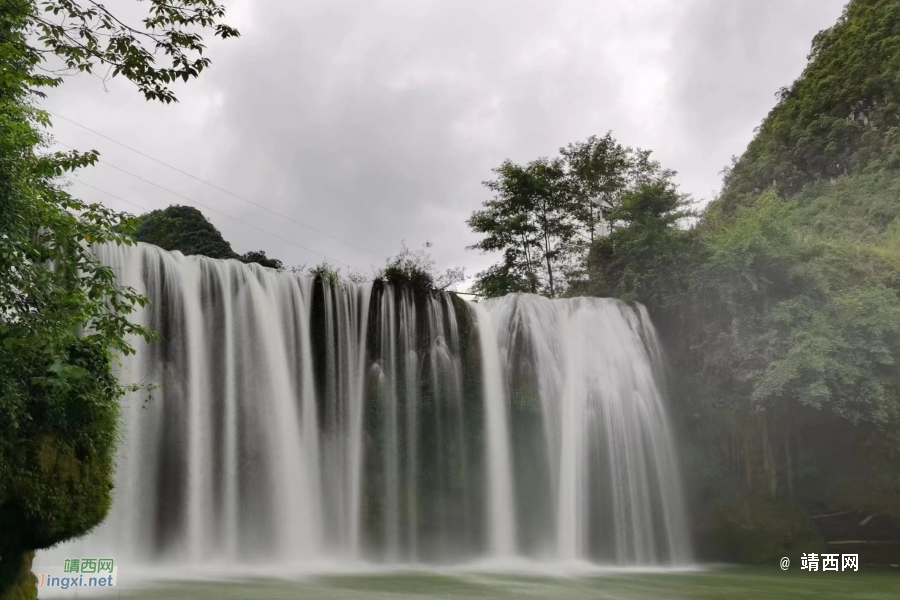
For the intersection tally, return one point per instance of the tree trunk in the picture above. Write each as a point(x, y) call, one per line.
point(23, 587)
point(545, 226)
point(528, 263)
point(592, 223)
point(549, 264)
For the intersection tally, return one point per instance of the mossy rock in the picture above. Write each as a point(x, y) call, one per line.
point(56, 466)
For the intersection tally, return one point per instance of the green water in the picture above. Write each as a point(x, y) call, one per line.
point(730, 583)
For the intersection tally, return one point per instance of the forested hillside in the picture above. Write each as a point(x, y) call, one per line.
point(780, 308)
point(840, 117)
point(185, 229)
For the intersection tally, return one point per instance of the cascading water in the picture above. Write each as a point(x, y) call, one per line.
point(595, 464)
point(298, 420)
point(501, 516)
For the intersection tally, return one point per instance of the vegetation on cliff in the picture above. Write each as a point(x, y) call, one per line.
point(779, 305)
point(185, 229)
point(545, 215)
point(63, 318)
point(840, 117)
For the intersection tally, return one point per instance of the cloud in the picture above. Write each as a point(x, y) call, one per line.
point(731, 59)
point(376, 121)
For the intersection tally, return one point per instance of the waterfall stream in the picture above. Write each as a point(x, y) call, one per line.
point(297, 420)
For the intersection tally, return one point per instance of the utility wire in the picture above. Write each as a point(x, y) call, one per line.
point(221, 189)
point(135, 204)
point(192, 201)
point(202, 181)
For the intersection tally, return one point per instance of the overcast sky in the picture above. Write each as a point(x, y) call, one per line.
point(375, 121)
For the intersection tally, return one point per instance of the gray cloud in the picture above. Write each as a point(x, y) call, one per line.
point(732, 58)
point(377, 121)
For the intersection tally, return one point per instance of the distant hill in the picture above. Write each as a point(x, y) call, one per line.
point(185, 229)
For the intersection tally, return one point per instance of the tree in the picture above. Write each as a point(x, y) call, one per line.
point(779, 309)
point(86, 35)
point(508, 227)
point(330, 273)
point(501, 279)
point(324, 271)
point(602, 172)
point(544, 216)
point(839, 117)
point(259, 257)
point(642, 259)
point(416, 269)
point(529, 219)
point(598, 169)
point(63, 318)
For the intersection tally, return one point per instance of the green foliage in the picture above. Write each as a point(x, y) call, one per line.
point(780, 307)
point(788, 335)
point(327, 272)
point(529, 221)
point(16, 575)
point(57, 443)
point(545, 215)
point(645, 256)
point(259, 257)
point(601, 172)
point(64, 320)
point(858, 208)
point(841, 116)
point(501, 279)
point(808, 319)
point(185, 229)
point(85, 35)
point(416, 269)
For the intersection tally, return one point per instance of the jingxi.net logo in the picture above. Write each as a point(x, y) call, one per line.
point(80, 572)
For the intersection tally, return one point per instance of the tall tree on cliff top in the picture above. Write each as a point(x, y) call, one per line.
point(529, 221)
point(61, 328)
point(544, 216)
point(598, 169)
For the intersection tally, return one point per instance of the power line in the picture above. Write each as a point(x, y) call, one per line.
point(221, 189)
point(135, 204)
point(192, 201)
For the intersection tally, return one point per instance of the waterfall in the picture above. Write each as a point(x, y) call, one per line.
point(500, 497)
point(609, 460)
point(296, 421)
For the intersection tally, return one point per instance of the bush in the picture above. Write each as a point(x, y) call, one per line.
point(57, 444)
point(415, 269)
